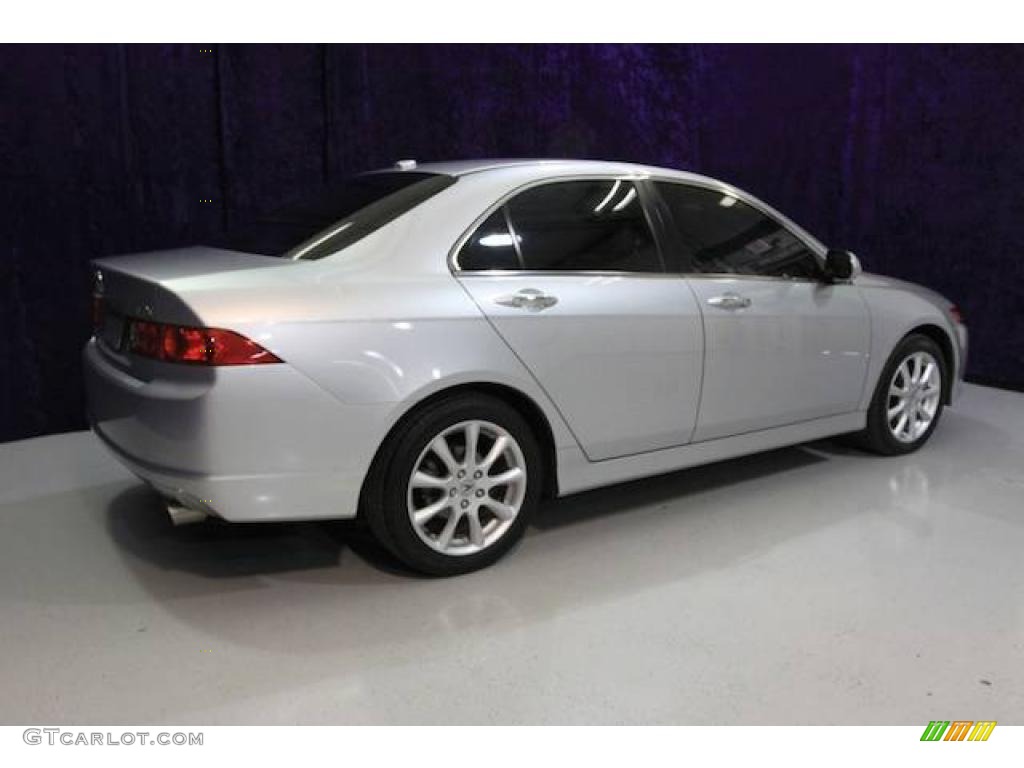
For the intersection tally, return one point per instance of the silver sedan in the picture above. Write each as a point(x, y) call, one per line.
point(437, 348)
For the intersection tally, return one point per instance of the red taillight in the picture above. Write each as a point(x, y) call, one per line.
point(957, 315)
point(186, 345)
point(144, 338)
point(200, 346)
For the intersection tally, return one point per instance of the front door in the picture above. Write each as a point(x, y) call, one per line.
point(778, 352)
point(781, 344)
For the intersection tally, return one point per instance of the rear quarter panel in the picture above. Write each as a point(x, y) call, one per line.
point(415, 339)
point(383, 323)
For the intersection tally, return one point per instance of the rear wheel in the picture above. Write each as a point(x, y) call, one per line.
point(455, 485)
point(907, 402)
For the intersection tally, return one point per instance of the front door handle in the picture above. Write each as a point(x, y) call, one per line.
point(529, 299)
point(729, 301)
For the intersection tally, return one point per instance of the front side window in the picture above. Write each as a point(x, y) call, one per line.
point(724, 235)
point(566, 226)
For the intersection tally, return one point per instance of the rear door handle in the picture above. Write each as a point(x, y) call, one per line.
point(729, 301)
point(528, 298)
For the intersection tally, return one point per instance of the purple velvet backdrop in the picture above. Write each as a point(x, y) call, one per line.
point(913, 156)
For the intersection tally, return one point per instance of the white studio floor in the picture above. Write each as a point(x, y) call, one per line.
point(808, 585)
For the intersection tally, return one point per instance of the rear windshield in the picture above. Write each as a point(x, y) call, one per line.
point(335, 217)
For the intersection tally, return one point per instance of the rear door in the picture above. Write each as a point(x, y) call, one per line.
point(569, 275)
point(782, 345)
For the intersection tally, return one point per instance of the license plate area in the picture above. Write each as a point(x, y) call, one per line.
point(112, 331)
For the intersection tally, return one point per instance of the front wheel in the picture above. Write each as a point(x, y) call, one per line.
point(455, 485)
point(907, 402)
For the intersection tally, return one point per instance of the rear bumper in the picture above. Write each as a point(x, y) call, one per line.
point(247, 498)
point(247, 443)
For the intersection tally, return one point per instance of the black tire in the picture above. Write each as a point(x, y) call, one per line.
point(385, 493)
point(877, 435)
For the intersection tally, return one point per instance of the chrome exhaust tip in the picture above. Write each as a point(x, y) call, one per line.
point(184, 515)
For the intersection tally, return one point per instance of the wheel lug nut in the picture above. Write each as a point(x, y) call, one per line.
point(465, 503)
point(461, 474)
point(451, 492)
point(479, 493)
point(478, 474)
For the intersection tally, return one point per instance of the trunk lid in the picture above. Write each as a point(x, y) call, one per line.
point(147, 286)
point(143, 285)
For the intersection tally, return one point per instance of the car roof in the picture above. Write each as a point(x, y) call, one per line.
point(561, 166)
point(550, 168)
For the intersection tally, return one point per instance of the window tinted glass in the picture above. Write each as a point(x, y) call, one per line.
point(490, 246)
point(583, 225)
point(724, 235)
point(335, 217)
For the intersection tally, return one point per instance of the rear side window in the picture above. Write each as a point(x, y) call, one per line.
point(724, 235)
point(594, 225)
point(335, 217)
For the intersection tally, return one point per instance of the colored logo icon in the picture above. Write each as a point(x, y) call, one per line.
point(958, 730)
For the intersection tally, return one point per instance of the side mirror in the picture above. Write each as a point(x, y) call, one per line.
point(841, 266)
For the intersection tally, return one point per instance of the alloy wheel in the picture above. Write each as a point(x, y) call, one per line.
point(914, 393)
point(467, 487)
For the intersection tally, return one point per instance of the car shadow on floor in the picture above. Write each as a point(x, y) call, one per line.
point(674, 486)
point(139, 524)
point(346, 592)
